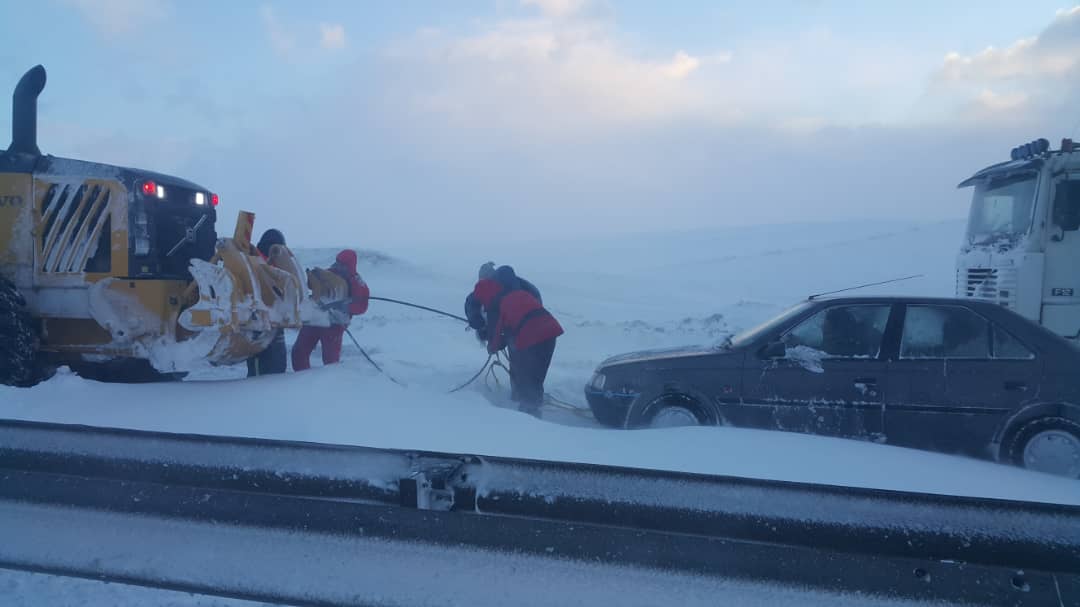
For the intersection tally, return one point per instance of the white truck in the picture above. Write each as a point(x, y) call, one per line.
point(1022, 247)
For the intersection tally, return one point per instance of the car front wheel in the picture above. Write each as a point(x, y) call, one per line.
point(673, 417)
point(673, 411)
point(1050, 444)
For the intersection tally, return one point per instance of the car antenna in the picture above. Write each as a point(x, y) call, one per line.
point(872, 284)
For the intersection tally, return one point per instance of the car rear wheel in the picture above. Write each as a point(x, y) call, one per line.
point(1050, 444)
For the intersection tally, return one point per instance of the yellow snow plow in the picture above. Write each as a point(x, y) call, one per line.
point(119, 273)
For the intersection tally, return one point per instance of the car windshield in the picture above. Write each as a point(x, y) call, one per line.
point(1001, 209)
point(752, 334)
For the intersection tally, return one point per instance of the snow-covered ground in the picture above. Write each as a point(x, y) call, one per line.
point(612, 295)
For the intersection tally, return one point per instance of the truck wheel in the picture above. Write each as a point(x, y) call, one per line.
point(19, 339)
point(1049, 444)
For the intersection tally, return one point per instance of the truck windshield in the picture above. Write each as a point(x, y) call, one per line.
point(1001, 209)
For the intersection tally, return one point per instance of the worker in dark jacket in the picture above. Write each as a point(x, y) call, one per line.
point(517, 320)
point(340, 317)
point(510, 281)
point(274, 359)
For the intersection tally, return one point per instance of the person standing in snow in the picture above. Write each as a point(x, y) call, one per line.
point(517, 320)
point(510, 281)
point(473, 310)
point(274, 359)
point(341, 314)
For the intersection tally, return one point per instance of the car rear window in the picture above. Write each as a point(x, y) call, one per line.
point(944, 332)
point(1007, 347)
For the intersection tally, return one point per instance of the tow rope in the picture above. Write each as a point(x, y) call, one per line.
point(493, 362)
point(372, 361)
point(419, 307)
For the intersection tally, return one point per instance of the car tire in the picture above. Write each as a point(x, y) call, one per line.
point(1048, 444)
point(19, 340)
point(667, 410)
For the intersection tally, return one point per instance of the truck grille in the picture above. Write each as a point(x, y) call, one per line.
point(991, 284)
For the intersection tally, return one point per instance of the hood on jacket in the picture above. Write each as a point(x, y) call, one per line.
point(486, 290)
point(270, 238)
point(506, 276)
point(347, 260)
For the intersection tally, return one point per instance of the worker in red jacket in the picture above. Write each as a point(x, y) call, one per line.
point(340, 317)
point(518, 321)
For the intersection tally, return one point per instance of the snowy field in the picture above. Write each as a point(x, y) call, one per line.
point(612, 295)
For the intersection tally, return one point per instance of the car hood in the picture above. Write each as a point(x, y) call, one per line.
point(661, 354)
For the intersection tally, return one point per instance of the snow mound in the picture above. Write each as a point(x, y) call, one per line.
point(352, 404)
point(613, 296)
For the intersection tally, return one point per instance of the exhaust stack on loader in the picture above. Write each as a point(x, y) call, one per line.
point(119, 272)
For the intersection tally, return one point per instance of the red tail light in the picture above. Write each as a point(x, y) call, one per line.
point(214, 199)
point(149, 188)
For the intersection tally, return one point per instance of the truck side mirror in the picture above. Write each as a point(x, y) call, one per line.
point(1067, 206)
point(773, 349)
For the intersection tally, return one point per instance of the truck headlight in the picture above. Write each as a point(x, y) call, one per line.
point(597, 381)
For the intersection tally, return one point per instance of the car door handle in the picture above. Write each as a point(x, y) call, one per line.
point(1016, 386)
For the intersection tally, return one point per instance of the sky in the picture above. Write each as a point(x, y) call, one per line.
point(380, 124)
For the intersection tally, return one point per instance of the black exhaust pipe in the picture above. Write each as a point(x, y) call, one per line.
point(24, 111)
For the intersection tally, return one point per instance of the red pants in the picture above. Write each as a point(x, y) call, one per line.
point(305, 344)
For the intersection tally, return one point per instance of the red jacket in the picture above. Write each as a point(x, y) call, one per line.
point(358, 289)
point(516, 316)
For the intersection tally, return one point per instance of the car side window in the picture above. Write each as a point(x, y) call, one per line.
point(842, 331)
point(944, 332)
point(1007, 347)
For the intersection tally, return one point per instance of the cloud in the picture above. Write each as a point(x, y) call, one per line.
point(332, 36)
point(113, 18)
point(282, 39)
point(545, 76)
point(557, 9)
point(1034, 75)
point(1054, 53)
point(537, 74)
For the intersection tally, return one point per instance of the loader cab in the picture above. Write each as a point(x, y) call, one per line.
point(1021, 247)
point(129, 223)
point(67, 221)
point(170, 221)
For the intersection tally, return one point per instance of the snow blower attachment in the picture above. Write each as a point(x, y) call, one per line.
point(119, 273)
point(242, 301)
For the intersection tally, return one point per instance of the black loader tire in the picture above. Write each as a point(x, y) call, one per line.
point(19, 339)
point(124, 371)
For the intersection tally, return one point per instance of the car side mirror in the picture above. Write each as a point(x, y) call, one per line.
point(774, 349)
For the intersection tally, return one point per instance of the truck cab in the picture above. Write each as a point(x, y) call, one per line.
point(1021, 248)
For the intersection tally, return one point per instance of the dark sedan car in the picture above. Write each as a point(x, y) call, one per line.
point(956, 376)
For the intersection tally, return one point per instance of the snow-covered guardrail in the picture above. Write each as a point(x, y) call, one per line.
point(303, 523)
